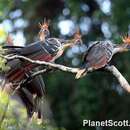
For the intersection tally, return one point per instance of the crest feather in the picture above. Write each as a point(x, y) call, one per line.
point(77, 35)
point(44, 25)
point(126, 39)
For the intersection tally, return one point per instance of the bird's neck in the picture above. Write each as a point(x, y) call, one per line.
point(68, 43)
point(121, 48)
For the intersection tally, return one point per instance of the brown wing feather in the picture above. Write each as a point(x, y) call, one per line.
point(96, 58)
point(89, 48)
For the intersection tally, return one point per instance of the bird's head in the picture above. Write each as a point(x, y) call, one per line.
point(126, 41)
point(75, 41)
point(9, 40)
point(44, 30)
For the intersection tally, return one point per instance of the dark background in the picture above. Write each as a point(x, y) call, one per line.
point(98, 96)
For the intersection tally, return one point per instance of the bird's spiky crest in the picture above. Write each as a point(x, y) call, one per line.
point(44, 25)
point(126, 39)
point(77, 35)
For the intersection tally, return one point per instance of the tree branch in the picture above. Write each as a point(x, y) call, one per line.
point(58, 66)
point(123, 82)
point(112, 69)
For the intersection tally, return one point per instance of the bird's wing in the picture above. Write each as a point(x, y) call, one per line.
point(11, 49)
point(31, 49)
point(91, 44)
point(18, 68)
point(96, 57)
point(25, 51)
point(52, 45)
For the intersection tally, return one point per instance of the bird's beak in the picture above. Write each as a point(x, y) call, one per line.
point(81, 73)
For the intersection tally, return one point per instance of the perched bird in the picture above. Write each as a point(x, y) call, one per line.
point(100, 53)
point(47, 49)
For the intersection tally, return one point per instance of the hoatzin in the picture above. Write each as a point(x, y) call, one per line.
point(100, 53)
point(46, 49)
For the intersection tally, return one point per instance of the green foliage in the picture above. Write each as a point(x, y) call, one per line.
point(13, 116)
point(121, 14)
point(3, 35)
point(3, 66)
point(5, 6)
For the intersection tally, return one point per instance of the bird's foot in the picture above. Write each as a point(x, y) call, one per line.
point(81, 73)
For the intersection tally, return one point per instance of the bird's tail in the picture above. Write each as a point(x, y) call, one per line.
point(27, 100)
point(34, 98)
point(12, 49)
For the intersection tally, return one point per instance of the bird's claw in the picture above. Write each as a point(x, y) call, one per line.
point(81, 73)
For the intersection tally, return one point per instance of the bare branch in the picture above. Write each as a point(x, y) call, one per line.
point(112, 69)
point(58, 66)
point(38, 73)
point(123, 82)
point(33, 75)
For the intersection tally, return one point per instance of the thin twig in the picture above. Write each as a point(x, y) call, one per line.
point(38, 73)
point(32, 76)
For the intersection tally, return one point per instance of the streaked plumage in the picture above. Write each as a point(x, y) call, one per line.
point(99, 54)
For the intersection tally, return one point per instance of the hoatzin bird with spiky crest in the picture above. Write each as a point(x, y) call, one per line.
point(100, 53)
point(46, 49)
point(44, 31)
